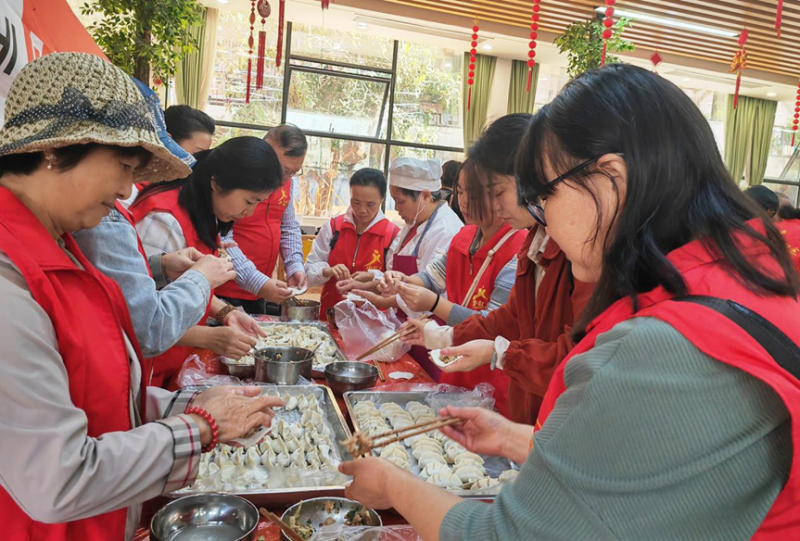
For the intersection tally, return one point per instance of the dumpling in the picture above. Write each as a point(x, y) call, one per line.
point(212, 469)
point(285, 429)
point(467, 458)
point(399, 462)
point(298, 459)
point(291, 402)
point(313, 458)
point(292, 445)
point(426, 440)
point(428, 457)
point(445, 480)
point(397, 451)
point(324, 451)
point(433, 468)
point(265, 446)
point(418, 450)
point(485, 482)
point(278, 446)
point(452, 451)
point(269, 458)
point(470, 473)
point(508, 476)
point(252, 458)
point(311, 417)
point(297, 431)
point(283, 460)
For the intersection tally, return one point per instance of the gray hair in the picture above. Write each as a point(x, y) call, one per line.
point(290, 138)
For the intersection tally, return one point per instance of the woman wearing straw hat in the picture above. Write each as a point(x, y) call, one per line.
point(84, 439)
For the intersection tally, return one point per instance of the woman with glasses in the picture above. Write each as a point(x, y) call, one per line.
point(677, 415)
point(524, 339)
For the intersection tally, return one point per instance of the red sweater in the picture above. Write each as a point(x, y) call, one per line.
point(537, 325)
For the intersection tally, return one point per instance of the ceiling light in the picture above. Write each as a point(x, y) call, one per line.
point(685, 80)
point(448, 64)
point(223, 1)
point(542, 78)
point(363, 26)
point(675, 23)
point(772, 94)
point(487, 47)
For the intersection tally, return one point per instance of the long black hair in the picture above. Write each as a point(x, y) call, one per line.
point(243, 163)
point(493, 153)
point(183, 122)
point(678, 189)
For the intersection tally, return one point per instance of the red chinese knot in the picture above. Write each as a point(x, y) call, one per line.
point(472, 60)
point(608, 23)
point(532, 44)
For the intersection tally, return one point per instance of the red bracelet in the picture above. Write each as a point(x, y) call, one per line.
point(211, 422)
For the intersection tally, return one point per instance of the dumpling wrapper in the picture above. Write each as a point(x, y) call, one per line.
point(508, 476)
point(436, 357)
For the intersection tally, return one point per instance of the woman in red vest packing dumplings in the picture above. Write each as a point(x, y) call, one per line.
point(356, 241)
point(226, 184)
point(85, 440)
point(677, 415)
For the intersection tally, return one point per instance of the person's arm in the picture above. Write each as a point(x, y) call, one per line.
point(500, 295)
point(650, 427)
point(291, 244)
point(159, 318)
point(317, 260)
point(248, 277)
point(51, 467)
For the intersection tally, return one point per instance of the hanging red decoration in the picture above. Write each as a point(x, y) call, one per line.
point(608, 22)
point(778, 17)
point(250, 43)
point(281, 14)
point(739, 64)
point(656, 59)
point(472, 59)
point(796, 114)
point(325, 3)
point(532, 44)
point(264, 10)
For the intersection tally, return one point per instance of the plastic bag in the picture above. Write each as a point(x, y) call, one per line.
point(195, 373)
point(364, 326)
point(339, 532)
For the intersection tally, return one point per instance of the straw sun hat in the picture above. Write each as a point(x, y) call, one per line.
point(64, 99)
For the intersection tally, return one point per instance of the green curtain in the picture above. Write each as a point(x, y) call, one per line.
point(519, 99)
point(195, 71)
point(748, 134)
point(475, 118)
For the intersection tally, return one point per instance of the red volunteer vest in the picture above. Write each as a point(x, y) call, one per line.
point(259, 237)
point(358, 253)
point(718, 337)
point(88, 314)
point(170, 362)
point(461, 272)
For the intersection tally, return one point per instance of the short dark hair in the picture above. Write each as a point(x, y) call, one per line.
point(764, 198)
point(369, 177)
point(435, 196)
point(290, 138)
point(245, 163)
point(183, 122)
point(66, 158)
point(450, 171)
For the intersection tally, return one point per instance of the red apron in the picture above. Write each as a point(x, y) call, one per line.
point(259, 237)
point(358, 252)
point(86, 309)
point(169, 363)
point(718, 337)
point(461, 273)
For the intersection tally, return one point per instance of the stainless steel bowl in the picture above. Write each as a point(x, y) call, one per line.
point(313, 512)
point(240, 370)
point(220, 517)
point(307, 311)
point(283, 365)
point(349, 376)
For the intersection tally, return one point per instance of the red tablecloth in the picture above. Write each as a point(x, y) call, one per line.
point(270, 532)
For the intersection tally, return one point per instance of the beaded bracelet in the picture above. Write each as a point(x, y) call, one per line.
point(211, 422)
point(223, 312)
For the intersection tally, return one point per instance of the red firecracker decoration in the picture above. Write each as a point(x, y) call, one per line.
point(738, 64)
point(778, 17)
point(325, 3)
point(608, 22)
point(281, 14)
point(532, 44)
point(656, 59)
point(796, 114)
point(472, 59)
point(250, 43)
point(264, 10)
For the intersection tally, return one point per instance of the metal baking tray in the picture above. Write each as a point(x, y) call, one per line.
point(436, 400)
point(290, 495)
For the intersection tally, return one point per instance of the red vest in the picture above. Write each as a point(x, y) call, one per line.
point(358, 253)
point(461, 272)
point(169, 363)
point(88, 314)
point(259, 237)
point(718, 337)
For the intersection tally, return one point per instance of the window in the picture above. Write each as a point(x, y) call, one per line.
point(713, 106)
point(781, 149)
point(354, 48)
point(551, 80)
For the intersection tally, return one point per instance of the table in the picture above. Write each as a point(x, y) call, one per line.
point(269, 531)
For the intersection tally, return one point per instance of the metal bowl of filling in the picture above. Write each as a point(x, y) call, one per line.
point(221, 517)
point(239, 369)
point(283, 365)
point(308, 516)
point(349, 376)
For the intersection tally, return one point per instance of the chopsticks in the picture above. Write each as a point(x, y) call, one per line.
point(377, 365)
point(389, 340)
point(290, 533)
point(361, 444)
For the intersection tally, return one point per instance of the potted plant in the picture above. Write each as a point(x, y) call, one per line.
point(583, 43)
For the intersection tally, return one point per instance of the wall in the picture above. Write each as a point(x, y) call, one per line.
point(498, 102)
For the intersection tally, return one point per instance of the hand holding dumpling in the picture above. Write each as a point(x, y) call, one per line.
point(236, 410)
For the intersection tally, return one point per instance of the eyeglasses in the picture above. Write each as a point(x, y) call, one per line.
point(537, 210)
point(290, 174)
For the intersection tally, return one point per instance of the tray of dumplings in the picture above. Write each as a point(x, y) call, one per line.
point(431, 456)
point(297, 459)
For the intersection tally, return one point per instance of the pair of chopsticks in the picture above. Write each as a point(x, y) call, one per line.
point(361, 444)
point(389, 340)
point(275, 519)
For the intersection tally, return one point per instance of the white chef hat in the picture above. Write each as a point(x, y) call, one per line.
point(416, 175)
